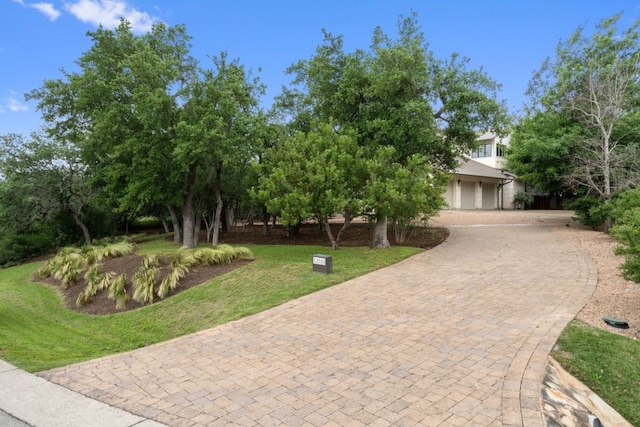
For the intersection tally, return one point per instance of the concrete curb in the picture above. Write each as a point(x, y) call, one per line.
point(33, 401)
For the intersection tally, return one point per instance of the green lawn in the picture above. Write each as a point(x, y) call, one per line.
point(38, 332)
point(607, 363)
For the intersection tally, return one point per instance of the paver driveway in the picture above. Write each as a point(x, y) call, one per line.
point(454, 336)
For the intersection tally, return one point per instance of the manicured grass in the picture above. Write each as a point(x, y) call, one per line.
point(607, 363)
point(38, 332)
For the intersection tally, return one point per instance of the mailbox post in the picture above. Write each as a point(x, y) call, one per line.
point(322, 263)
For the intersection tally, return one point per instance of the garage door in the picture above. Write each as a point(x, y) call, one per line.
point(488, 196)
point(468, 195)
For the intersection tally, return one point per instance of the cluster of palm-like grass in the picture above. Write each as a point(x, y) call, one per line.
point(145, 282)
point(67, 266)
point(69, 263)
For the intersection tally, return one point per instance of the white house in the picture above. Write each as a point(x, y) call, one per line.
point(480, 181)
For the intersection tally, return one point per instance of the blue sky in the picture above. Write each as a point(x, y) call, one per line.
point(509, 38)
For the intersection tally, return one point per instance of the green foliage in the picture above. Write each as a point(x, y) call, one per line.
point(64, 267)
point(626, 213)
point(605, 362)
point(540, 150)
point(19, 245)
point(318, 173)
point(93, 278)
point(590, 210)
point(155, 127)
point(44, 177)
point(396, 100)
point(113, 250)
point(522, 200)
point(181, 261)
point(171, 280)
point(623, 201)
point(236, 252)
point(581, 130)
point(147, 221)
point(414, 195)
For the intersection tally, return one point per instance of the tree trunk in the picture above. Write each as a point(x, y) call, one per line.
point(380, 240)
point(187, 211)
point(197, 226)
point(347, 222)
point(165, 226)
point(199, 210)
point(334, 242)
point(606, 171)
point(177, 234)
point(83, 226)
point(219, 206)
point(229, 216)
point(265, 222)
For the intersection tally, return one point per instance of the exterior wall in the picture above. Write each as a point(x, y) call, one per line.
point(509, 191)
point(493, 160)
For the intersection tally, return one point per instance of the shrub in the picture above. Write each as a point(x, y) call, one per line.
point(590, 210)
point(522, 200)
point(19, 246)
point(626, 214)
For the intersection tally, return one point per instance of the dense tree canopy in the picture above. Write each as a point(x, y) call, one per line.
point(396, 95)
point(154, 128)
point(143, 127)
point(41, 179)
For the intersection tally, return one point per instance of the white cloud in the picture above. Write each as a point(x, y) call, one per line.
point(108, 13)
point(11, 103)
point(48, 9)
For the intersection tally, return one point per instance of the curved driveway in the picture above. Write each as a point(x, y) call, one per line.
point(455, 336)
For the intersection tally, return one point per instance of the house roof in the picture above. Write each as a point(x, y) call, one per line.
point(470, 167)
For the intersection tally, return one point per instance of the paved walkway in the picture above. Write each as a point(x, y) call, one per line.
point(455, 336)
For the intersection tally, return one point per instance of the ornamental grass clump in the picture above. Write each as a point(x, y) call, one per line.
point(144, 279)
point(185, 259)
point(65, 267)
point(69, 263)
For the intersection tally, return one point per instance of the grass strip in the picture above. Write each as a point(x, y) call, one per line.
point(607, 363)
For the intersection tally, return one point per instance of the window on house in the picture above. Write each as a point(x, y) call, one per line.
point(483, 150)
point(501, 150)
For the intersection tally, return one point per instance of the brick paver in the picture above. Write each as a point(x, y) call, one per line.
point(455, 336)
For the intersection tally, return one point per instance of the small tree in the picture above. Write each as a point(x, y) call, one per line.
point(312, 174)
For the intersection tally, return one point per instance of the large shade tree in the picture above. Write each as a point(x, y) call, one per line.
point(153, 127)
point(395, 94)
point(122, 107)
